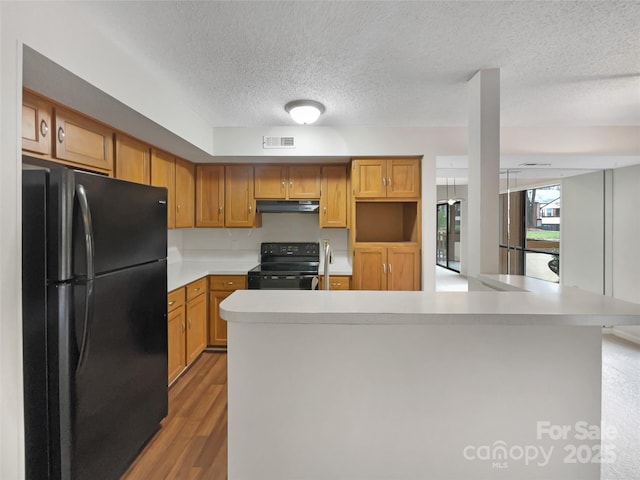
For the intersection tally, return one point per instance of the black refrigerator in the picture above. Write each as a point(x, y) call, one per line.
point(94, 321)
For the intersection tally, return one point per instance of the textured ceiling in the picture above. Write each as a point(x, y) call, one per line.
point(387, 63)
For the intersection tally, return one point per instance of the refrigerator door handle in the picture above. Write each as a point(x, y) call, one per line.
point(85, 212)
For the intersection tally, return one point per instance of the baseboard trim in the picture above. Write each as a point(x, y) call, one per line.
point(618, 333)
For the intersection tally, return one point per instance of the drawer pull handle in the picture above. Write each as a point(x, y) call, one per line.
point(388, 181)
point(229, 283)
point(44, 128)
point(60, 135)
point(189, 323)
point(182, 325)
point(220, 209)
point(384, 182)
point(172, 302)
point(196, 289)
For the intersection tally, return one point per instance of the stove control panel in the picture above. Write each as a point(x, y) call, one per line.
point(291, 249)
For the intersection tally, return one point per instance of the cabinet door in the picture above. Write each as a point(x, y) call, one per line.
point(210, 196)
point(369, 178)
point(176, 351)
point(217, 326)
point(333, 197)
point(403, 268)
point(196, 327)
point(370, 268)
point(132, 160)
point(270, 181)
point(163, 174)
point(36, 124)
point(185, 193)
point(240, 204)
point(304, 182)
point(403, 178)
point(83, 141)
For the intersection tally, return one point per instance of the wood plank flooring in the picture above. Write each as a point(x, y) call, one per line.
point(192, 443)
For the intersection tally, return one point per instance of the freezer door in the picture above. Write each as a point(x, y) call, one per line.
point(120, 391)
point(128, 220)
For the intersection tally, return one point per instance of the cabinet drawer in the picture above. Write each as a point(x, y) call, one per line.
point(227, 282)
point(175, 299)
point(337, 282)
point(196, 288)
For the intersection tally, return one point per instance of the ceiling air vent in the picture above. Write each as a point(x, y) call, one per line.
point(278, 142)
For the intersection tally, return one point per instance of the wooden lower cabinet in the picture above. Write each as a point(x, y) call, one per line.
point(176, 343)
point(336, 282)
point(196, 326)
point(381, 267)
point(220, 287)
point(186, 326)
point(176, 333)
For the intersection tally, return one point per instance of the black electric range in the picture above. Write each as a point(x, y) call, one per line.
point(291, 266)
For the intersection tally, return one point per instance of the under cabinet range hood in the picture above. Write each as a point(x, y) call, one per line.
point(287, 206)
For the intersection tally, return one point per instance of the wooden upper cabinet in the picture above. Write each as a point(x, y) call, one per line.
point(304, 182)
point(287, 182)
point(369, 178)
point(403, 178)
point(185, 193)
point(370, 268)
point(83, 141)
point(163, 174)
point(386, 178)
point(240, 203)
point(333, 197)
point(210, 196)
point(36, 124)
point(270, 181)
point(403, 268)
point(133, 160)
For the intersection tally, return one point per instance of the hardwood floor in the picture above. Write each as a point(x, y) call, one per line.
point(192, 443)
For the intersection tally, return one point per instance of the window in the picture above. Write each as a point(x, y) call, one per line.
point(448, 236)
point(530, 233)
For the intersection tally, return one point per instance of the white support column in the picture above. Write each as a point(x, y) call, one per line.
point(484, 172)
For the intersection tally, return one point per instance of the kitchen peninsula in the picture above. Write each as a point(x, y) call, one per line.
point(415, 385)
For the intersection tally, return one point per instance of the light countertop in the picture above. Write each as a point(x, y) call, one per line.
point(536, 303)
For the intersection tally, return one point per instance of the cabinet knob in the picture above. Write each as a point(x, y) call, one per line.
point(60, 134)
point(44, 128)
point(172, 302)
point(324, 210)
point(283, 185)
point(178, 206)
point(220, 209)
point(196, 289)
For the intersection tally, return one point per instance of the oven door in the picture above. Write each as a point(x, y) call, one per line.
point(283, 282)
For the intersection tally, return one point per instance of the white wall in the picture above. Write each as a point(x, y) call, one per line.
point(276, 227)
point(582, 232)
point(626, 235)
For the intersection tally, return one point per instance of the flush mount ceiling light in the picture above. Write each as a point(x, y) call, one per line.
point(304, 112)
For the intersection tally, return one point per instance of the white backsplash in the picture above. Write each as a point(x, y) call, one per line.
point(276, 227)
